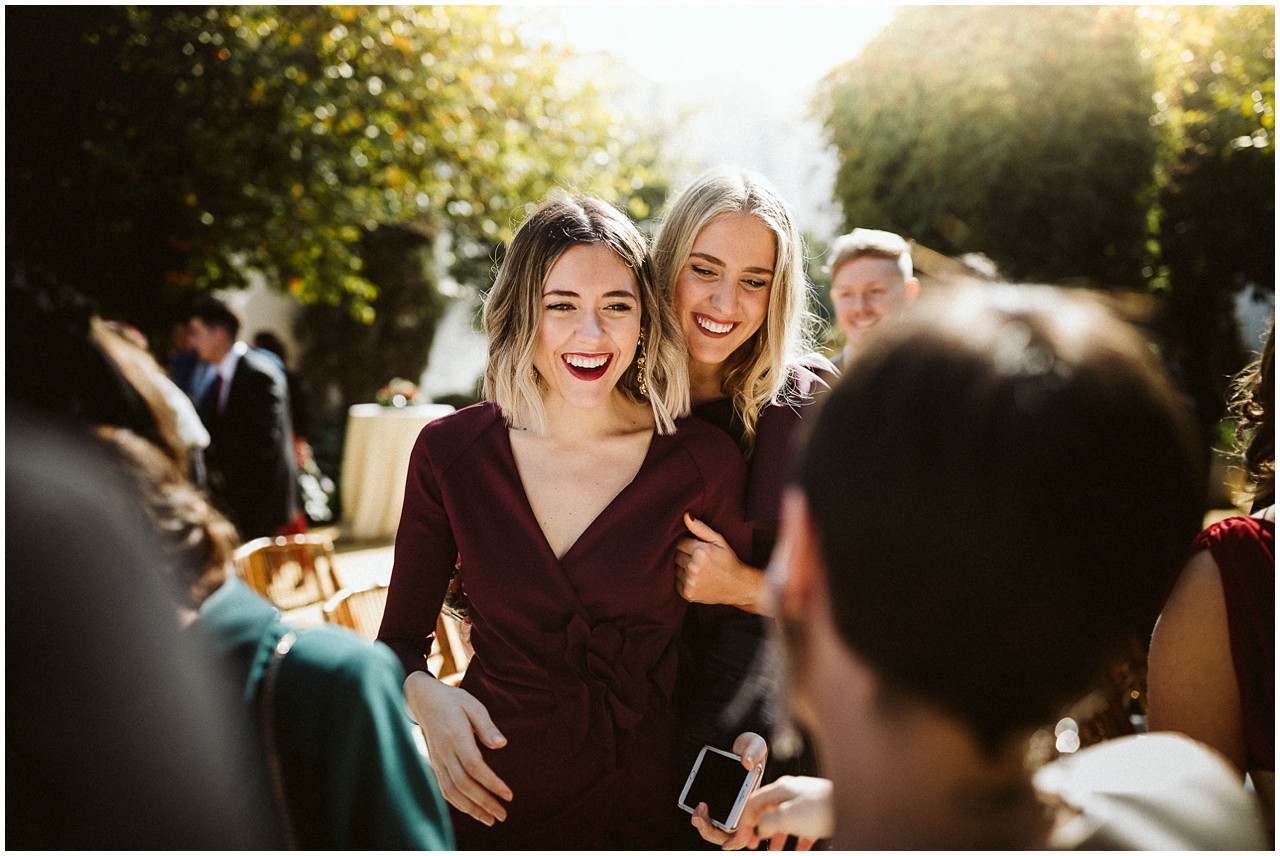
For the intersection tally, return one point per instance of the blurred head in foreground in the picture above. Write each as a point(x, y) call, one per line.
point(991, 501)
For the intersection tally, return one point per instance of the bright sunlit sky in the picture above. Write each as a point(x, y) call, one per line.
point(739, 77)
point(783, 48)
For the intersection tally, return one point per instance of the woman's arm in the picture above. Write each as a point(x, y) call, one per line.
point(451, 718)
point(1191, 679)
point(426, 553)
point(708, 568)
point(708, 571)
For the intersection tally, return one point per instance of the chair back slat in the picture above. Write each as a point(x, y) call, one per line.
point(456, 648)
point(358, 609)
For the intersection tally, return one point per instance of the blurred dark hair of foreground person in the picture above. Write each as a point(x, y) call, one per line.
point(117, 734)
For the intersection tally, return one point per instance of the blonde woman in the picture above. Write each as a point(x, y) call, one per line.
point(560, 499)
point(730, 262)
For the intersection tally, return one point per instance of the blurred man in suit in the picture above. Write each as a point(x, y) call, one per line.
point(252, 471)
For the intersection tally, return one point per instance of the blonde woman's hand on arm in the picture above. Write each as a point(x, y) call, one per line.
point(708, 571)
point(452, 719)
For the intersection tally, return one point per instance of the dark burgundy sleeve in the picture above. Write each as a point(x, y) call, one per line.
point(770, 470)
point(425, 554)
point(725, 478)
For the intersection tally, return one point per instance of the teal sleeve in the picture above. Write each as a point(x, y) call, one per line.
point(351, 766)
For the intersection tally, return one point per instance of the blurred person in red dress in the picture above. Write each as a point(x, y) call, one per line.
point(1211, 673)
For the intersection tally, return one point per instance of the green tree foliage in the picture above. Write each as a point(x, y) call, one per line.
point(1214, 218)
point(1019, 132)
point(154, 149)
point(357, 356)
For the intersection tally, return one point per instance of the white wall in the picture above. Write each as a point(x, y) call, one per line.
point(458, 352)
point(262, 307)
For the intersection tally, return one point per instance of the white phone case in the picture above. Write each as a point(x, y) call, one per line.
point(750, 780)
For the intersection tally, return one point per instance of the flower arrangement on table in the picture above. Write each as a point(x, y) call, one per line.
point(399, 393)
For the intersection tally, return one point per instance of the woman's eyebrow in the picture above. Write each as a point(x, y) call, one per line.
point(560, 292)
point(715, 261)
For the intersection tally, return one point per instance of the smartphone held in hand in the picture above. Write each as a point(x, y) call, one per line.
point(719, 780)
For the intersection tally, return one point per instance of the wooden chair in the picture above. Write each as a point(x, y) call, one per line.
point(290, 570)
point(361, 610)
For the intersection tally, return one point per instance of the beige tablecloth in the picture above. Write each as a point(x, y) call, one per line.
point(375, 462)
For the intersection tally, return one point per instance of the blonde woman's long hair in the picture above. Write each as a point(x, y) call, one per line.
point(513, 308)
point(762, 371)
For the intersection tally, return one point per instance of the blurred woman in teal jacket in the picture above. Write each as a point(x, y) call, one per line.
point(345, 769)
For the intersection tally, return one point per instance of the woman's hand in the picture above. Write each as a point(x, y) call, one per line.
point(793, 805)
point(452, 719)
point(754, 750)
point(708, 571)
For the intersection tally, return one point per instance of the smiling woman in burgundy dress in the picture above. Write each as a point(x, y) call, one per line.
point(560, 498)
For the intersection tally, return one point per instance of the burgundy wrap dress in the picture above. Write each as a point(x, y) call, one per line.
point(575, 658)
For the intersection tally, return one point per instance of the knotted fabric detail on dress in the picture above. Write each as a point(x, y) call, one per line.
point(602, 685)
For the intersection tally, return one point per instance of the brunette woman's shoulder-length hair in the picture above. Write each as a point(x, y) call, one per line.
point(514, 305)
point(197, 539)
point(761, 371)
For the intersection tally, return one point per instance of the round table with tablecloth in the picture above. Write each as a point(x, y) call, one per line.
point(375, 461)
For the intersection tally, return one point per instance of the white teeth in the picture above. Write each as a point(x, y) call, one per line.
point(578, 361)
point(711, 326)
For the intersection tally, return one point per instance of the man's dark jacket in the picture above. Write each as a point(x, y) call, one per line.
point(253, 473)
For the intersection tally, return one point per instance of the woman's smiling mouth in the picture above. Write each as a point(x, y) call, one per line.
point(587, 366)
point(713, 328)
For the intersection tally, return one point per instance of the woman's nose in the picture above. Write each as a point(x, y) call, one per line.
point(724, 297)
point(592, 326)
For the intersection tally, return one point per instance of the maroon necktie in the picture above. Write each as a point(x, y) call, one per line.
point(213, 398)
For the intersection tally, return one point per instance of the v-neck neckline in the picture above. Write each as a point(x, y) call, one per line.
point(510, 452)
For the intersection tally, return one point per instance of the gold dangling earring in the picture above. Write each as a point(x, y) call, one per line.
point(644, 387)
point(533, 371)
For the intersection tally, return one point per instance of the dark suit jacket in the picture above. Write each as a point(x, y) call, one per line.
point(253, 473)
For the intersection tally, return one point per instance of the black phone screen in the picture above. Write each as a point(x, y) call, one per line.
point(718, 782)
